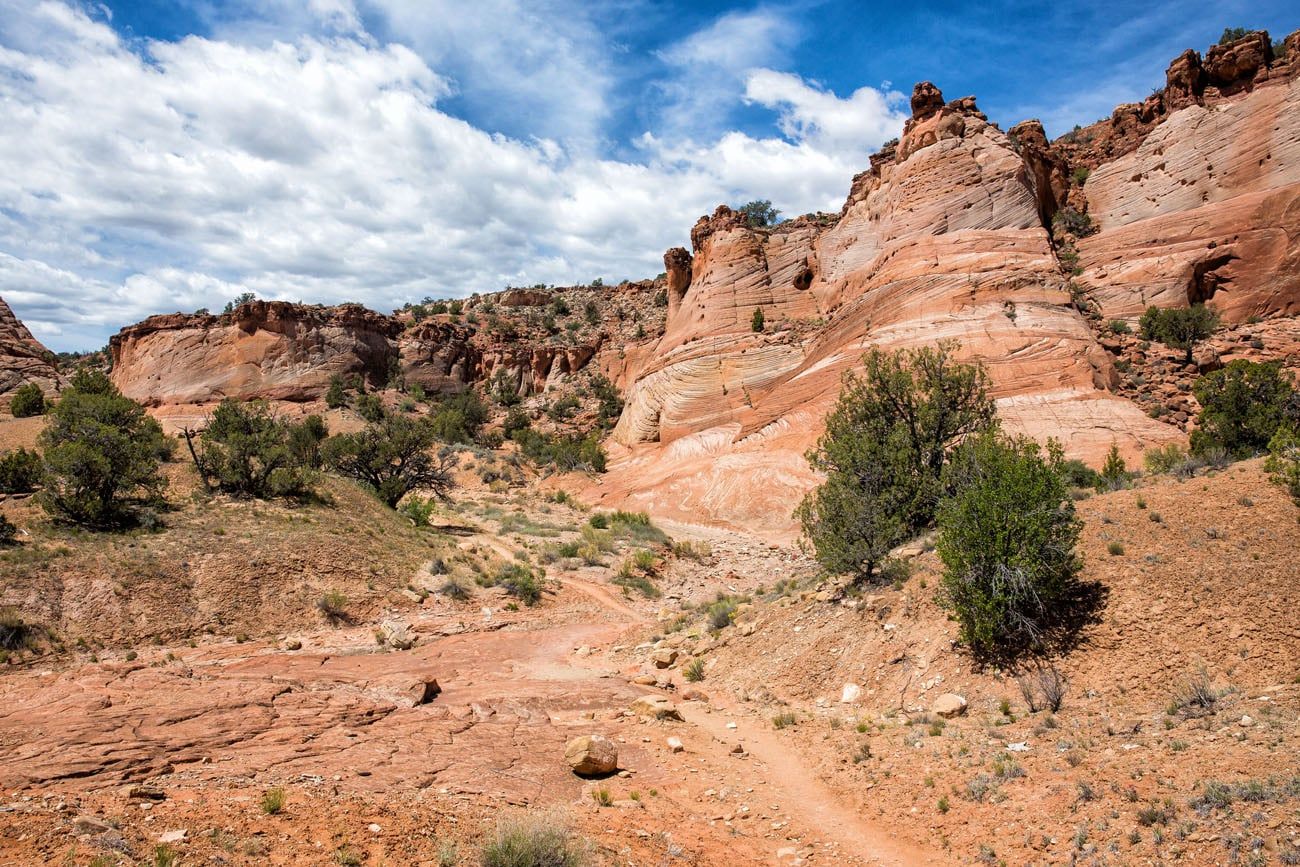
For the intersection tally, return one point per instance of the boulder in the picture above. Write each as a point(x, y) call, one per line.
point(949, 705)
point(396, 634)
point(591, 755)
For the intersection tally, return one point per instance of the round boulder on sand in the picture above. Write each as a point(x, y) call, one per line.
point(591, 755)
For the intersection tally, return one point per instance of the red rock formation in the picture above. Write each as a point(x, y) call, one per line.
point(22, 357)
point(943, 240)
point(267, 349)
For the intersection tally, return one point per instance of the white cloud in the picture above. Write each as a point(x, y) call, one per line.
point(324, 170)
point(865, 119)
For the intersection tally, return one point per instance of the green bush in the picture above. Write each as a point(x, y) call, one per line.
point(1007, 540)
point(249, 451)
point(533, 841)
point(8, 532)
point(563, 453)
point(759, 213)
point(1242, 407)
point(1079, 475)
point(459, 418)
point(20, 471)
point(519, 581)
point(305, 441)
point(1163, 459)
point(1284, 461)
point(393, 457)
point(102, 454)
point(1075, 222)
point(884, 451)
point(336, 396)
point(756, 322)
point(1179, 327)
point(370, 407)
point(1114, 472)
point(28, 400)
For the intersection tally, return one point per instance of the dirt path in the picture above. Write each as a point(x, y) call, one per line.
point(814, 804)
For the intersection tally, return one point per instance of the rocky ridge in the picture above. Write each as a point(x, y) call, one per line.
point(22, 357)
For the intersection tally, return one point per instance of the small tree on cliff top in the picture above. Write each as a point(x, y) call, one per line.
point(759, 213)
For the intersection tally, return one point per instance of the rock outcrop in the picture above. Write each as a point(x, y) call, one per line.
point(264, 349)
point(22, 357)
point(945, 239)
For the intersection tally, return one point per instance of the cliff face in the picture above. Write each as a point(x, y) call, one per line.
point(264, 349)
point(948, 235)
point(22, 357)
point(280, 351)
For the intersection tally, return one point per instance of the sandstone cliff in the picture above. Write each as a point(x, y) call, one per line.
point(280, 351)
point(949, 234)
point(22, 357)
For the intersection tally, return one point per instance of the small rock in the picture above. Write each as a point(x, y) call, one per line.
point(949, 705)
point(591, 755)
point(1246, 720)
point(644, 680)
point(145, 793)
point(656, 707)
point(675, 744)
point(177, 836)
point(373, 828)
point(664, 657)
point(89, 825)
point(293, 644)
point(851, 693)
point(746, 629)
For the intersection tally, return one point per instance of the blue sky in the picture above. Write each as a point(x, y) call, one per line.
point(169, 155)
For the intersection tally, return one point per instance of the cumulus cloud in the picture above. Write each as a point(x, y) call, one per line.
point(174, 175)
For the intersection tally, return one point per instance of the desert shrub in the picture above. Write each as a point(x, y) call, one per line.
point(1283, 461)
point(1196, 696)
point(8, 532)
point(628, 576)
point(1232, 34)
point(692, 550)
point(459, 418)
point(333, 604)
point(1119, 326)
point(563, 407)
point(1043, 689)
point(15, 633)
point(519, 581)
point(533, 841)
point(336, 396)
point(370, 407)
point(1163, 459)
point(1242, 407)
point(563, 453)
point(884, 451)
point(1114, 472)
point(1077, 474)
point(418, 509)
point(721, 612)
point(102, 454)
point(1179, 327)
point(757, 322)
point(785, 719)
point(273, 801)
point(1074, 222)
point(638, 527)
point(20, 471)
point(1007, 539)
point(305, 440)
point(28, 400)
point(694, 671)
point(759, 213)
point(248, 451)
point(610, 402)
point(393, 457)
